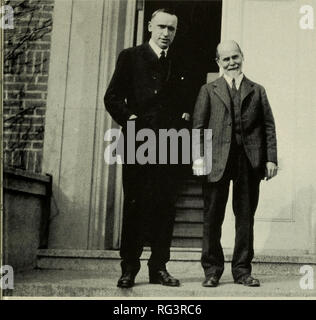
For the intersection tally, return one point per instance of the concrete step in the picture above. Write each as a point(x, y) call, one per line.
point(189, 215)
point(189, 202)
point(188, 230)
point(182, 242)
point(102, 284)
point(264, 262)
point(191, 189)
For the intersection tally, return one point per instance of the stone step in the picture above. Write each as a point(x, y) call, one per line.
point(189, 202)
point(102, 284)
point(189, 215)
point(182, 242)
point(264, 262)
point(188, 230)
point(94, 273)
point(191, 189)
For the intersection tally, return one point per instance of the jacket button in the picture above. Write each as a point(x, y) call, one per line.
point(156, 91)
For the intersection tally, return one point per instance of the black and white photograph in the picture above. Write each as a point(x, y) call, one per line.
point(158, 149)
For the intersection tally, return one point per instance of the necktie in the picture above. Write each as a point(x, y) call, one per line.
point(163, 64)
point(162, 56)
point(234, 89)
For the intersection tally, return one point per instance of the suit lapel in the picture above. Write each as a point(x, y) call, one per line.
point(170, 64)
point(246, 89)
point(151, 58)
point(220, 88)
point(148, 54)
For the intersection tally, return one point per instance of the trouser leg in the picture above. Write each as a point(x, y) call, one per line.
point(245, 201)
point(215, 199)
point(163, 214)
point(134, 217)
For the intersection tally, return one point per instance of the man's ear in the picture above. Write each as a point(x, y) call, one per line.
point(149, 26)
point(217, 61)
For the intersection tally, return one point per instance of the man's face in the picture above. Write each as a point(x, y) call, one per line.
point(230, 60)
point(163, 29)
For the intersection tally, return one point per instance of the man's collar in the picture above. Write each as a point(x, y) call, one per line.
point(237, 80)
point(157, 49)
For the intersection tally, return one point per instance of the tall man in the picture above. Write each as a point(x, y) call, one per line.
point(149, 87)
point(244, 150)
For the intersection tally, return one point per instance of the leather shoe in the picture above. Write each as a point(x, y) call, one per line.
point(127, 280)
point(210, 281)
point(248, 281)
point(164, 278)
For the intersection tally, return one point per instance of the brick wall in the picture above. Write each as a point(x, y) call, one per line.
point(26, 61)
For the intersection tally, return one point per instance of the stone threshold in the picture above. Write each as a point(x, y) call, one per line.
point(184, 254)
point(73, 283)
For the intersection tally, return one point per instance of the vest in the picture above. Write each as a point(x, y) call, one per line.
point(236, 114)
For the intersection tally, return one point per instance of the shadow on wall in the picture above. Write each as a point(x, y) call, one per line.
point(85, 216)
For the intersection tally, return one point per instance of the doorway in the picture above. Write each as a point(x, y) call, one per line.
point(198, 33)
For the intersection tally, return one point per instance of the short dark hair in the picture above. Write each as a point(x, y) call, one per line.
point(165, 10)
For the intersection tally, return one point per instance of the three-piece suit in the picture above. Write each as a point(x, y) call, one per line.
point(243, 140)
point(158, 95)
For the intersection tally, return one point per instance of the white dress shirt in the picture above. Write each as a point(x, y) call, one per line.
point(238, 80)
point(157, 49)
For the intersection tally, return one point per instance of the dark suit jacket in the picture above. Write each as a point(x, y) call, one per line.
point(137, 88)
point(213, 111)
